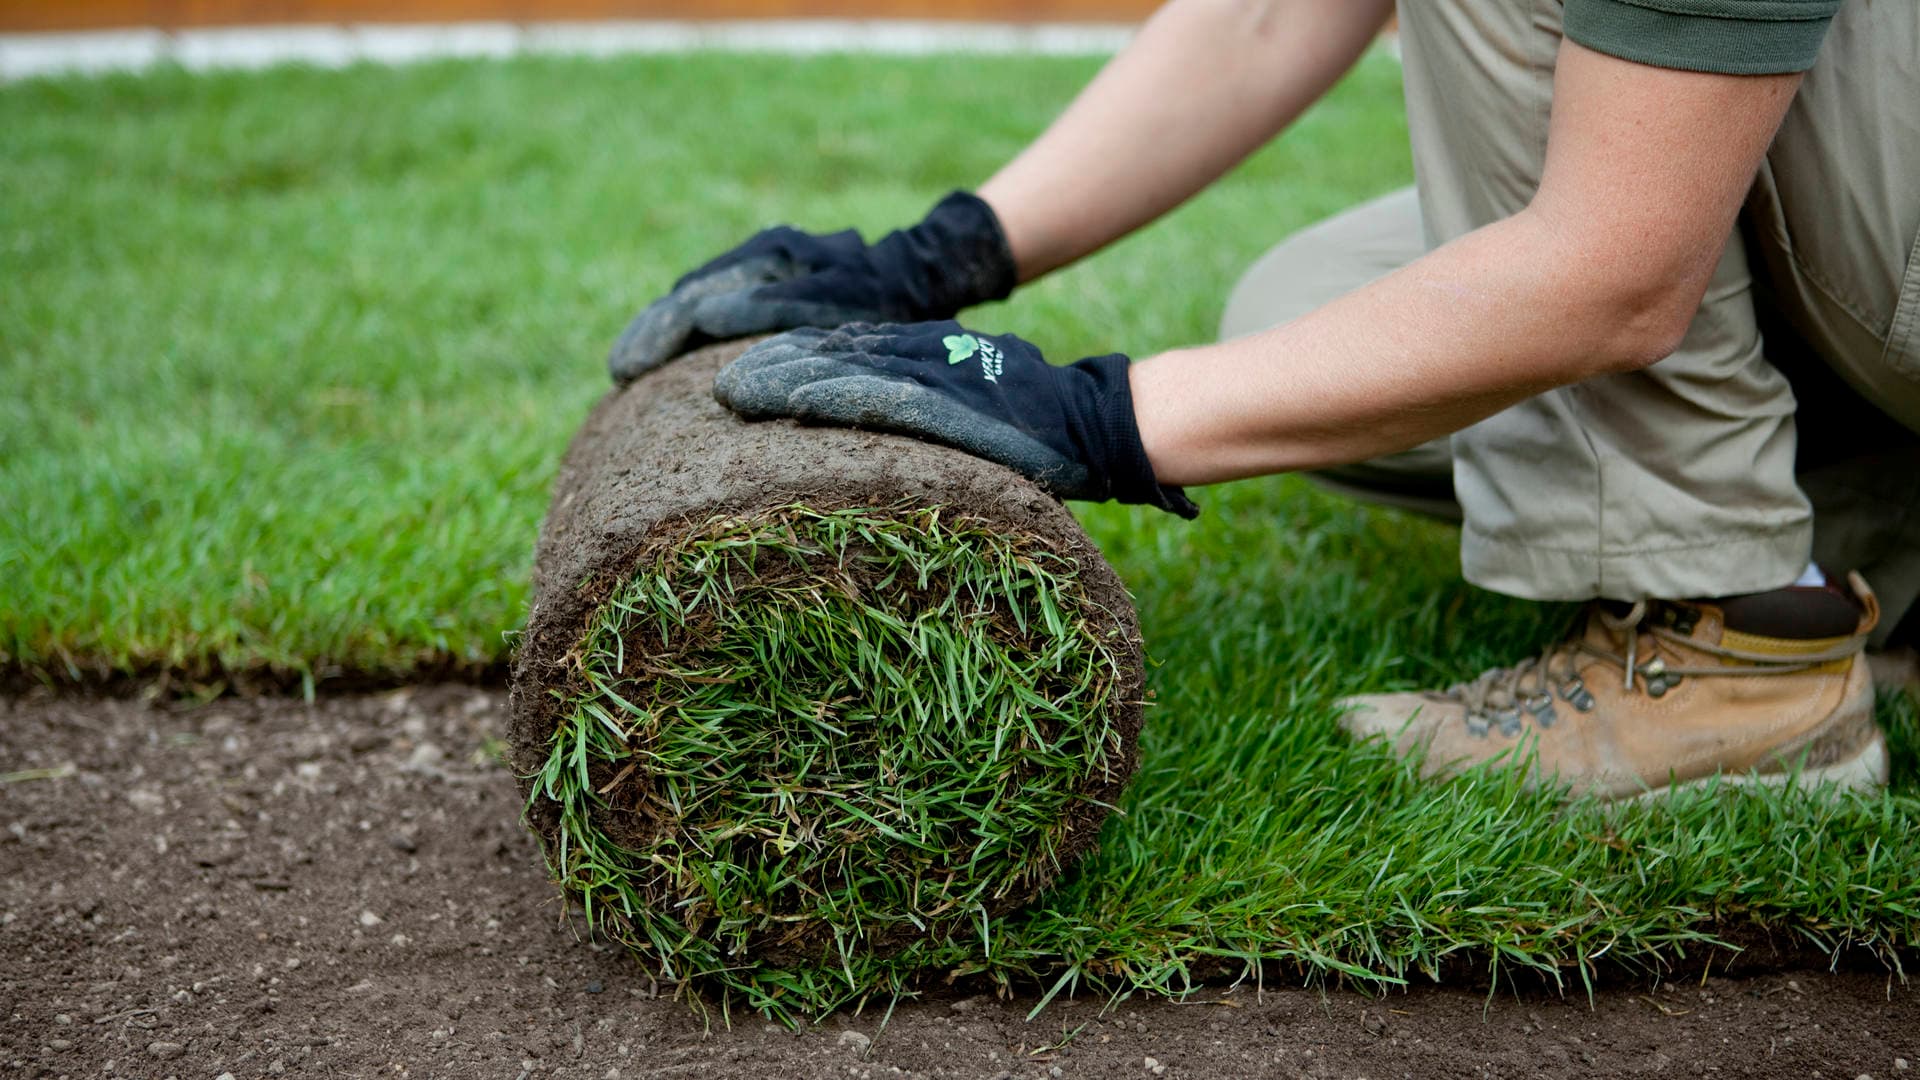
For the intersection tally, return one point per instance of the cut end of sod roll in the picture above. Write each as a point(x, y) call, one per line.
point(794, 727)
point(799, 736)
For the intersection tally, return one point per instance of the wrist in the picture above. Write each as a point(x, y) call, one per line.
point(1181, 427)
point(960, 257)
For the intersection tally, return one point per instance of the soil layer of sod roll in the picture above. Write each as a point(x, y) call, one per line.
point(800, 712)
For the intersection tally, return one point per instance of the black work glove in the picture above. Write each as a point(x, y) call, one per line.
point(1069, 429)
point(783, 278)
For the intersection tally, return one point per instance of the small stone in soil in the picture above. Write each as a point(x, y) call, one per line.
point(594, 988)
point(165, 1051)
point(855, 1039)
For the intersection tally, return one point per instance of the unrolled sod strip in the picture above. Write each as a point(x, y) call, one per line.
point(798, 709)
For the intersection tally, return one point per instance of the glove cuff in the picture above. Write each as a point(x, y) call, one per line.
point(955, 258)
point(1129, 475)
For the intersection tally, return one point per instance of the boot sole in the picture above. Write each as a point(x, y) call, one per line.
point(1865, 772)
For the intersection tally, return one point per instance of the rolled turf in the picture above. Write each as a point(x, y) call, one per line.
point(795, 705)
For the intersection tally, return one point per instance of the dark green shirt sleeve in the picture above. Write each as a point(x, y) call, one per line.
point(1733, 37)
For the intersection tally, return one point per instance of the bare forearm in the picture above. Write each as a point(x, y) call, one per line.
point(1487, 321)
point(1646, 169)
point(1204, 84)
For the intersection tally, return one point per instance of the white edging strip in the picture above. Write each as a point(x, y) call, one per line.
point(97, 52)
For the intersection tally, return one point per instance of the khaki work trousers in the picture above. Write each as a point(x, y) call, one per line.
point(1782, 428)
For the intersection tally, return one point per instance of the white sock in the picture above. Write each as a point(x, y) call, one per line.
point(1810, 578)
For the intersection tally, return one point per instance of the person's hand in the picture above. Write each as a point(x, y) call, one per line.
point(1070, 429)
point(783, 278)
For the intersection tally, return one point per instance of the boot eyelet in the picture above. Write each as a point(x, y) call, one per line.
point(1576, 694)
point(1659, 681)
point(1509, 721)
point(1477, 725)
point(1660, 684)
point(1541, 706)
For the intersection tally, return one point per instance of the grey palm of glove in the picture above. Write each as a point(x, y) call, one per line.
point(1070, 429)
point(783, 278)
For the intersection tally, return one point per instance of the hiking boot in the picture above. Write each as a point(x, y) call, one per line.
point(1661, 694)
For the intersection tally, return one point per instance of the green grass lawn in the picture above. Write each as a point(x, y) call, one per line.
point(290, 359)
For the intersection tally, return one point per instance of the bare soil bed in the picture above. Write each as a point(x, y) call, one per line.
point(268, 887)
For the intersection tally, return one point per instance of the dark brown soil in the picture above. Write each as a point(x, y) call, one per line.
point(660, 457)
point(343, 889)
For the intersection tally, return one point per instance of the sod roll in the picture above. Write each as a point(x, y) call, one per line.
point(798, 709)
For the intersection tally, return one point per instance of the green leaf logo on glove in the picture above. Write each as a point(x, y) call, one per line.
point(960, 346)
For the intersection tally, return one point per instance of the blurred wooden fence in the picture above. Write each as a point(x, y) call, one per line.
point(96, 14)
